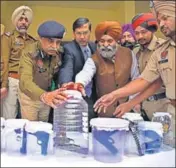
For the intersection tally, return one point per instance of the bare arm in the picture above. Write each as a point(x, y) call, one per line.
point(147, 92)
point(125, 107)
point(133, 87)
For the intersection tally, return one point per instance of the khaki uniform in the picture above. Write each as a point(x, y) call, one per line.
point(4, 62)
point(11, 55)
point(162, 64)
point(36, 73)
point(143, 55)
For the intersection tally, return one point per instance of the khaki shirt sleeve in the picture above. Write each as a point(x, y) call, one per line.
point(151, 72)
point(26, 77)
point(5, 54)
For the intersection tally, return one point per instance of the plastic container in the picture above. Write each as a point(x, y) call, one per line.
point(2, 134)
point(39, 138)
point(134, 143)
point(153, 135)
point(71, 126)
point(108, 138)
point(15, 136)
point(165, 119)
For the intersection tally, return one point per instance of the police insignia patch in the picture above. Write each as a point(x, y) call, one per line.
point(164, 54)
point(7, 34)
point(18, 43)
point(40, 63)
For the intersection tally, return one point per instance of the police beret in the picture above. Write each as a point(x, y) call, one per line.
point(51, 29)
point(22, 11)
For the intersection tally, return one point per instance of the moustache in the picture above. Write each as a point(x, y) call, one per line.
point(23, 27)
point(141, 40)
point(163, 28)
point(106, 49)
point(52, 49)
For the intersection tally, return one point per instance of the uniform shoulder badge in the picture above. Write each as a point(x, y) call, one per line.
point(7, 34)
point(32, 37)
point(164, 54)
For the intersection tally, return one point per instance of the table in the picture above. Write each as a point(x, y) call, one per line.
point(162, 159)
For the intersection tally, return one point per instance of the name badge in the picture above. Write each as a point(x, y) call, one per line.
point(163, 61)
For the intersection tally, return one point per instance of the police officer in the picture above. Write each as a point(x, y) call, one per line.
point(18, 39)
point(39, 62)
point(161, 65)
point(4, 42)
point(145, 25)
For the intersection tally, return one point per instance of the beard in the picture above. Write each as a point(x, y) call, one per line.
point(107, 52)
point(129, 45)
point(167, 32)
point(22, 29)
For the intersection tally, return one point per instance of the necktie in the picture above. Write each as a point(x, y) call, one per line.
point(88, 88)
point(86, 54)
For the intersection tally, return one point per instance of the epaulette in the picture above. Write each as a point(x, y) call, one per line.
point(33, 54)
point(32, 37)
point(161, 43)
point(8, 34)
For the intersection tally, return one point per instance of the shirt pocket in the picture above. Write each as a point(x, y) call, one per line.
point(165, 70)
point(17, 47)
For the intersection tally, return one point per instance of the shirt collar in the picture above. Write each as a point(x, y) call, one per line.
point(152, 44)
point(172, 43)
point(17, 34)
point(84, 47)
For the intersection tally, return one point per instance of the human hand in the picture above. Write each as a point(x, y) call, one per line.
point(74, 86)
point(104, 102)
point(4, 92)
point(54, 98)
point(122, 109)
point(137, 108)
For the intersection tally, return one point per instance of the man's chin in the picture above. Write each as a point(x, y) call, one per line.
point(83, 43)
point(52, 53)
point(22, 30)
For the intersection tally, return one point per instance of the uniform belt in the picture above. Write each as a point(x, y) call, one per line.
point(157, 96)
point(13, 74)
point(173, 102)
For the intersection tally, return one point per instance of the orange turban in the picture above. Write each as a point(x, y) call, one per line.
point(111, 28)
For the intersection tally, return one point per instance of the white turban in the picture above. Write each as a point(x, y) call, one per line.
point(22, 11)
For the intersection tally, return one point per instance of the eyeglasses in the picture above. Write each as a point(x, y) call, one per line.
point(82, 33)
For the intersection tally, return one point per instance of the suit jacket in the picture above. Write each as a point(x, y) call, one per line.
point(73, 61)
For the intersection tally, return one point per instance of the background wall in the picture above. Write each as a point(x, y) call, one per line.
point(66, 12)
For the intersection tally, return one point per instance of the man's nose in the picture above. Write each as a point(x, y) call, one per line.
point(23, 21)
point(82, 36)
point(105, 44)
point(161, 24)
point(54, 45)
point(140, 36)
point(126, 38)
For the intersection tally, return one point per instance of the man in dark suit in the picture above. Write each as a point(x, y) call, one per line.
point(75, 54)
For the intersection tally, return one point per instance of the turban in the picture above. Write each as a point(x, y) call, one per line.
point(24, 11)
point(145, 20)
point(2, 29)
point(165, 7)
point(111, 28)
point(51, 29)
point(128, 28)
